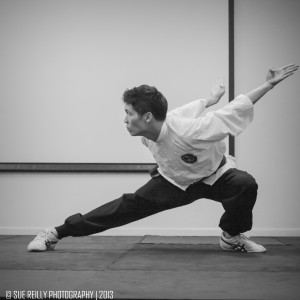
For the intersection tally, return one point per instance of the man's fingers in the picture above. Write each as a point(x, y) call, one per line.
point(287, 75)
point(287, 66)
point(221, 82)
point(291, 70)
point(290, 66)
point(294, 68)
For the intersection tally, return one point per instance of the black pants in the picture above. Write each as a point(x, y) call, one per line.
point(236, 190)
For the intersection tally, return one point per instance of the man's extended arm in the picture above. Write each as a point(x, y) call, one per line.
point(274, 76)
point(236, 115)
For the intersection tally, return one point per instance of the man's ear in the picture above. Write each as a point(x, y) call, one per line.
point(148, 117)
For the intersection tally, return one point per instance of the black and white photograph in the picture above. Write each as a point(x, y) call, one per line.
point(149, 149)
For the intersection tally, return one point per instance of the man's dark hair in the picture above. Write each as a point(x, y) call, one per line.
point(145, 99)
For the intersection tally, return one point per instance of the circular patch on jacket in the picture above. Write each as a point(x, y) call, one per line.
point(189, 158)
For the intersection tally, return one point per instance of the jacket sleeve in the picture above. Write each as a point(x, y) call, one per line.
point(191, 110)
point(232, 119)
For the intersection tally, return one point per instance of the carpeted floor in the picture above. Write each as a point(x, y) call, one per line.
point(149, 267)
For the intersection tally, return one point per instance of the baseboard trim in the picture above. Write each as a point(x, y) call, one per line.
point(128, 231)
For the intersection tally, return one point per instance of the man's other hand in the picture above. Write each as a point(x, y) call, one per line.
point(275, 75)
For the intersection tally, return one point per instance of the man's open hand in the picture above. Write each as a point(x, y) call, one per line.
point(274, 76)
point(218, 90)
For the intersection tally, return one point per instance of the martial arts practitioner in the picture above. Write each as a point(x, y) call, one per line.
point(189, 149)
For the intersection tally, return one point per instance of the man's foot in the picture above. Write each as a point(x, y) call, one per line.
point(240, 243)
point(45, 240)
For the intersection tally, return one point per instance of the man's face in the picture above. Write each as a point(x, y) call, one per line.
point(135, 123)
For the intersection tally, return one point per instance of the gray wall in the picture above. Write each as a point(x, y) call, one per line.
point(65, 65)
point(266, 34)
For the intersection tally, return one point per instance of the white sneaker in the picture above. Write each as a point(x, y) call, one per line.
point(240, 243)
point(44, 241)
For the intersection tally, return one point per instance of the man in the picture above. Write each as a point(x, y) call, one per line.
point(190, 153)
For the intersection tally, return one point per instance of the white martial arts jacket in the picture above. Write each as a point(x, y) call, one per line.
point(190, 146)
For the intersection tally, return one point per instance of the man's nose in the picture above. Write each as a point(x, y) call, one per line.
point(125, 120)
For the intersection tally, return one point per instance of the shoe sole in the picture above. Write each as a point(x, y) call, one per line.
point(235, 250)
point(51, 248)
point(37, 250)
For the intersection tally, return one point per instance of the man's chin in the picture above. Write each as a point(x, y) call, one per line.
point(130, 132)
point(133, 133)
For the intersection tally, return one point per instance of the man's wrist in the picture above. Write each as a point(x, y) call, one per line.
point(211, 101)
point(214, 99)
point(270, 84)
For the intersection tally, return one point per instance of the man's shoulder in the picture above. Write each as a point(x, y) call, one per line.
point(179, 124)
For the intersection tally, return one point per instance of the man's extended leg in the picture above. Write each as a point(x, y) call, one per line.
point(155, 196)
